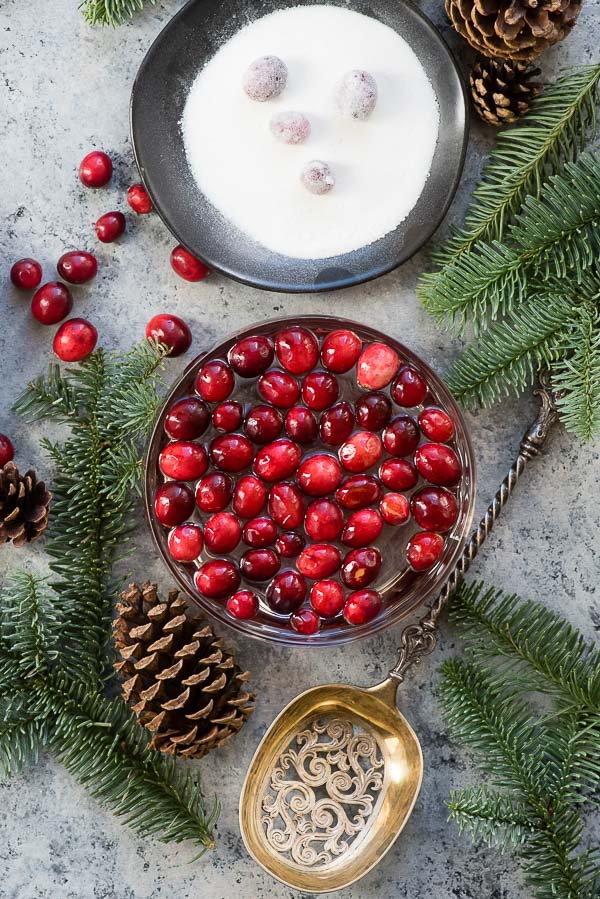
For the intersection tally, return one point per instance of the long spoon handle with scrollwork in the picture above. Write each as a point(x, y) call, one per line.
point(420, 639)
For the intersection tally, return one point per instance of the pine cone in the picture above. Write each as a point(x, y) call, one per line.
point(502, 90)
point(513, 29)
point(24, 506)
point(182, 685)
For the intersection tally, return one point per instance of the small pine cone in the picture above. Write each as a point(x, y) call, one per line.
point(184, 687)
point(24, 506)
point(502, 90)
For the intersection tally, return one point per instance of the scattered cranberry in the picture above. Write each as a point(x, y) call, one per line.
point(319, 560)
point(265, 78)
point(401, 437)
point(110, 226)
point(436, 425)
point(373, 411)
point(317, 177)
point(438, 464)
point(251, 356)
point(227, 416)
point(7, 450)
point(214, 381)
point(319, 475)
point(424, 550)
point(95, 169)
point(286, 592)
point(187, 266)
point(410, 388)
point(51, 303)
point(395, 508)
point(259, 564)
point(290, 545)
point(260, 532)
point(435, 509)
point(358, 491)
point(361, 567)
point(249, 496)
point(320, 390)
point(297, 350)
point(26, 274)
point(327, 598)
point(214, 492)
point(398, 474)
point(172, 331)
point(286, 505)
point(290, 127)
point(243, 604)
point(279, 388)
point(361, 451)
point(324, 520)
point(301, 425)
point(278, 460)
point(183, 460)
point(377, 365)
point(304, 621)
point(222, 532)
point(231, 452)
point(217, 578)
point(186, 542)
point(139, 199)
point(263, 424)
point(337, 424)
point(74, 340)
point(362, 606)
point(77, 266)
point(363, 527)
point(173, 503)
point(340, 351)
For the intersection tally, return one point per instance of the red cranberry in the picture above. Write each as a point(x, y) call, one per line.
point(214, 381)
point(304, 621)
point(320, 390)
point(409, 388)
point(227, 416)
point(183, 461)
point(279, 388)
point(74, 340)
point(173, 503)
point(170, 330)
point(424, 550)
point(243, 604)
point(278, 460)
point(319, 560)
point(301, 425)
point(362, 606)
point(358, 491)
point(249, 497)
point(110, 226)
point(324, 520)
point(260, 532)
point(377, 366)
point(290, 545)
point(340, 351)
point(214, 492)
point(336, 424)
point(217, 578)
point(231, 452)
point(435, 509)
point(401, 437)
point(361, 451)
point(51, 303)
point(187, 266)
point(373, 411)
point(297, 350)
point(139, 199)
point(327, 598)
point(95, 169)
point(263, 424)
point(186, 542)
point(222, 532)
point(77, 267)
point(363, 527)
point(259, 564)
point(26, 274)
point(361, 567)
point(395, 508)
point(286, 505)
point(7, 450)
point(251, 356)
point(319, 475)
point(436, 425)
point(286, 592)
point(398, 474)
point(438, 464)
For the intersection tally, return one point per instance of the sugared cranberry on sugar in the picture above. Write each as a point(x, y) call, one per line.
point(436, 425)
point(243, 604)
point(214, 381)
point(279, 388)
point(438, 464)
point(173, 503)
point(395, 508)
point(259, 532)
point(340, 351)
point(77, 266)
point(319, 475)
point(327, 598)
point(362, 606)
point(290, 545)
point(320, 390)
point(424, 550)
point(373, 411)
point(183, 460)
point(363, 527)
point(410, 388)
point(358, 491)
point(187, 266)
point(301, 425)
point(286, 592)
point(217, 578)
point(74, 340)
point(95, 169)
point(401, 437)
point(231, 452)
point(249, 496)
point(305, 621)
point(259, 564)
point(277, 461)
point(398, 474)
point(251, 356)
point(110, 226)
point(435, 509)
point(139, 199)
point(26, 274)
point(336, 424)
point(361, 451)
point(51, 303)
point(227, 416)
point(290, 127)
point(297, 350)
point(170, 330)
point(185, 542)
point(319, 560)
point(324, 520)
point(286, 506)
point(263, 424)
point(377, 365)
point(7, 450)
point(361, 567)
point(214, 492)
point(222, 532)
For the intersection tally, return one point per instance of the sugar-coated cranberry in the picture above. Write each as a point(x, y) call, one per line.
point(361, 567)
point(297, 350)
point(361, 451)
point(336, 424)
point(95, 169)
point(74, 340)
point(214, 492)
point(398, 474)
point(301, 425)
point(259, 532)
point(320, 390)
point(51, 303)
point(436, 424)
point(395, 508)
point(438, 464)
point(319, 475)
point(222, 532)
point(327, 598)
point(251, 356)
point(324, 520)
point(77, 266)
point(358, 491)
point(279, 388)
point(435, 509)
point(173, 503)
point(139, 199)
point(259, 564)
point(317, 177)
point(265, 78)
point(424, 550)
point(401, 437)
point(231, 452)
point(243, 604)
point(362, 606)
point(227, 416)
point(410, 388)
point(286, 505)
point(187, 266)
point(26, 274)
point(373, 411)
point(319, 560)
point(290, 545)
point(377, 365)
point(340, 350)
point(214, 381)
point(172, 331)
point(183, 460)
point(249, 496)
point(356, 95)
point(186, 542)
point(304, 621)
point(278, 460)
point(363, 527)
point(263, 424)
point(286, 592)
point(217, 578)
point(290, 127)
point(110, 226)
point(7, 450)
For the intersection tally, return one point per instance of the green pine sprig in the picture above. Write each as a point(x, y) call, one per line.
point(111, 12)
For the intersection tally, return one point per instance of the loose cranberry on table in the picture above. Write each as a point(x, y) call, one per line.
point(187, 419)
point(217, 578)
point(304, 621)
point(251, 356)
point(277, 461)
point(327, 598)
point(410, 388)
point(214, 381)
point(363, 527)
point(249, 496)
point(438, 464)
point(362, 606)
point(435, 509)
point(7, 450)
point(279, 388)
point(263, 424)
point(227, 416)
point(183, 460)
point(172, 331)
point(139, 199)
point(286, 592)
point(260, 532)
point(358, 491)
point(110, 226)
point(436, 425)
point(187, 266)
point(51, 303)
point(185, 542)
point(222, 532)
point(424, 550)
point(361, 567)
point(373, 411)
point(319, 475)
point(340, 351)
point(290, 545)
point(297, 350)
point(324, 520)
point(75, 340)
point(286, 505)
point(243, 604)
point(231, 452)
point(377, 365)
point(361, 451)
point(301, 425)
point(398, 474)
point(259, 564)
point(401, 437)
point(395, 508)
point(26, 274)
point(95, 169)
point(320, 390)
point(77, 266)
point(319, 560)
point(336, 424)
point(214, 492)
point(173, 503)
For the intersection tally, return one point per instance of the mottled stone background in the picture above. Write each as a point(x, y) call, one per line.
point(65, 89)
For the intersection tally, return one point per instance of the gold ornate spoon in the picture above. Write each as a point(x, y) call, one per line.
point(337, 774)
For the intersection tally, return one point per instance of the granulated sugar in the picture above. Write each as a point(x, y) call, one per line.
point(380, 165)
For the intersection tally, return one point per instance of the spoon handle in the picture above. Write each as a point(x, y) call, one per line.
point(418, 640)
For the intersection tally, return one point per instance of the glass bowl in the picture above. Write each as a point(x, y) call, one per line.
point(402, 589)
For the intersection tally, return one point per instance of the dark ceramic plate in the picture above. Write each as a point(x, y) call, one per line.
point(159, 94)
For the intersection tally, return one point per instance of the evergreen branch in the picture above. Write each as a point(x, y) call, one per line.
point(22, 736)
point(48, 397)
point(576, 374)
point(490, 817)
point(111, 12)
point(24, 621)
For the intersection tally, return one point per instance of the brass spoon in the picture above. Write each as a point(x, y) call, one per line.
point(337, 774)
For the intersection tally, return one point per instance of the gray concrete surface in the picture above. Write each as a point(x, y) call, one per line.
point(65, 89)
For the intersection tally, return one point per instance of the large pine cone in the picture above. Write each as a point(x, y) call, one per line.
point(513, 29)
point(502, 90)
point(182, 685)
point(24, 506)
